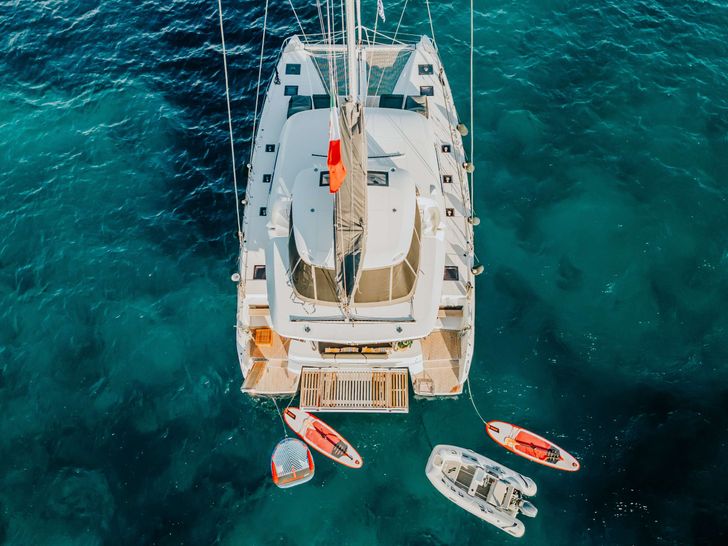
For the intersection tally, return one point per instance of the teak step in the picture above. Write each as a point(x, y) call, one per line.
point(383, 390)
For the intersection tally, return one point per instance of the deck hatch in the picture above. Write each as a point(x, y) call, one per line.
point(374, 178)
point(452, 273)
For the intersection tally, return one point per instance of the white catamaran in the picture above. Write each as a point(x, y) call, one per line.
point(357, 259)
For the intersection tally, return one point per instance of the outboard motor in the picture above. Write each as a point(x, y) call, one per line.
point(528, 509)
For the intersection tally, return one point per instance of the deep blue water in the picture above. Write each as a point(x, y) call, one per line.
point(601, 182)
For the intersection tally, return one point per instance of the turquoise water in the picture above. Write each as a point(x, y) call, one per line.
point(602, 163)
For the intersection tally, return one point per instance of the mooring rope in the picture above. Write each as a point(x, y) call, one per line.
point(280, 415)
point(470, 394)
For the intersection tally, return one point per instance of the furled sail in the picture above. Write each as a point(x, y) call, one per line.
point(337, 171)
point(350, 210)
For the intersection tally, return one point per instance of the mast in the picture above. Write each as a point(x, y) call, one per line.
point(358, 22)
point(350, 201)
point(351, 50)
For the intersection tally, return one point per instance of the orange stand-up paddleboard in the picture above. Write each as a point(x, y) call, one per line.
point(531, 446)
point(322, 437)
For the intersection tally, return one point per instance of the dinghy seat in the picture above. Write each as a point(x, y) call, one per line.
point(508, 498)
point(476, 482)
point(499, 493)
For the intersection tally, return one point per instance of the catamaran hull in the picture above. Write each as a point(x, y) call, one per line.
point(280, 333)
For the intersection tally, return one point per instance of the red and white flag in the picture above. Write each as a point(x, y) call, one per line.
point(337, 171)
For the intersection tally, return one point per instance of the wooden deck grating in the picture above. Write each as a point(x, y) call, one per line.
point(373, 390)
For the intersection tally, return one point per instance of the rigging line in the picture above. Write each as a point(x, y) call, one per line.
point(432, 28)
point(472, 117)
point(230, 126)
point(257, 87)
point(374, 40)
point(320, 16)
point(401, 16)
point(325, 38)
point(343, 39)
point(394, 39)
point(470, 394)
point(331, 36)
point(303, 32)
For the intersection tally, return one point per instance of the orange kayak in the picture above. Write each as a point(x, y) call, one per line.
point(531, 446)
point(322, 437)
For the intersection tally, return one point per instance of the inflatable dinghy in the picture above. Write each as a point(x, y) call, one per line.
point(291, 463)
point(483, 487)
